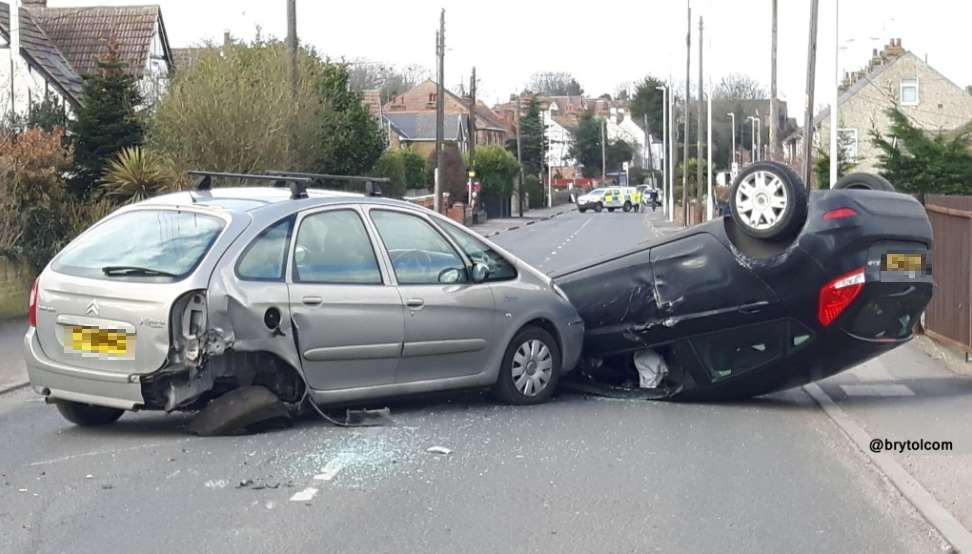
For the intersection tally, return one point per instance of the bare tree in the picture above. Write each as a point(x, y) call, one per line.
point(553, 83)
point(389, 79)
point(737, 86)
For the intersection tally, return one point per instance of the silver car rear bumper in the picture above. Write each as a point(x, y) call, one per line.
point(58, 381)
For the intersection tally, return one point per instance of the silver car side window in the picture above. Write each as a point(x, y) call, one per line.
point(333, 248)
point(419, 254)
point(500, 269)
point(265, 258)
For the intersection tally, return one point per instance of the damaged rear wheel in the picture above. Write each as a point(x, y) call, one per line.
point(531, 368)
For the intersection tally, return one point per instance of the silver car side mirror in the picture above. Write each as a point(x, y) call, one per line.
point(480, 272)
point(450, 275)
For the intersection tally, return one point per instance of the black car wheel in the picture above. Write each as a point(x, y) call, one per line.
point(599, 207)
point(627, 207)
point(768, 201)
point(531, 368)
point(86, 414)
point(864, 181)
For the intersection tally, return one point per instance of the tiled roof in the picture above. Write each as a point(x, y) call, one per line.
point(42, 54)
point(82, 34)
point(421, 125)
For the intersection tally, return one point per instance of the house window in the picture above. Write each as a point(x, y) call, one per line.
point(847, 140)
point(909, 92)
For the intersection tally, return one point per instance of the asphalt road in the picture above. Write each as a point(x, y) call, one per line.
point(575, 475)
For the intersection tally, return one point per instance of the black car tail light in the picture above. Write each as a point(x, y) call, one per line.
point(838, 294)
point(839, 213)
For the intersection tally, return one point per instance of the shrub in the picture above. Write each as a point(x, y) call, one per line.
point(136, 174)
point(32, 164)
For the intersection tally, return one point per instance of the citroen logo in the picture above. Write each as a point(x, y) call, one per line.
point(93, 308)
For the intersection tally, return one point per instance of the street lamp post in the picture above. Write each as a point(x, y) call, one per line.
point(754, 143)
point(665, 183)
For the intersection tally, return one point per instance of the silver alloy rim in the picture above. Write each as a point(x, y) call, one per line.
point(761, 200)
point(532, 367)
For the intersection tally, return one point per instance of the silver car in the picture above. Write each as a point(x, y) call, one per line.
point(173, 301)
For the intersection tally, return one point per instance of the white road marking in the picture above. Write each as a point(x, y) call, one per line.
point(330, 470)
point(877, 390)
point(100, 453)
point(305, 495)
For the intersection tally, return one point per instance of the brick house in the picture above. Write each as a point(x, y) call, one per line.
point(893, 76)
point(490, 128)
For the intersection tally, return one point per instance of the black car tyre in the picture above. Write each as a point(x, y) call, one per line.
point(531, 368)
point(768, 201)
point(599, 207)
point(86, 414)
point(864, 181)
point(627, 207)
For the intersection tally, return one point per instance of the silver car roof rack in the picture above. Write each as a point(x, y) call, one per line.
point(371, 183)
point(298, 184)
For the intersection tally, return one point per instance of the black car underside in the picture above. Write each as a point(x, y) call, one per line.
point(711, 292)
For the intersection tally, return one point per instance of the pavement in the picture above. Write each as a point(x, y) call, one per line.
point(578, 474)
point(13, 373)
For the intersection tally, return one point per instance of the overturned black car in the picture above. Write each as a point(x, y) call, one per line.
point(788, 289)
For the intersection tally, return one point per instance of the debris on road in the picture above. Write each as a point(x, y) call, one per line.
point(439, 450)
point(242, 410)
point(21, 490)
point(651, 368)
point(89, 476)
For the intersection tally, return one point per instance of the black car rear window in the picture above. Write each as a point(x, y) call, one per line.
point(168, 241)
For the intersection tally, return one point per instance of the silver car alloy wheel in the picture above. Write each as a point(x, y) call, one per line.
point(761, 200)
point(532, 367)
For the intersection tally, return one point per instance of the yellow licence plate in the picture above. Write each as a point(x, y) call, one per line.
point(903, 262)
point(100, 341)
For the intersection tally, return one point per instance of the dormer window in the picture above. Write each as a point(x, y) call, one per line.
point(909, 92)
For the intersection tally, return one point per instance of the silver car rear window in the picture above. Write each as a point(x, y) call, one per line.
point(169, 241)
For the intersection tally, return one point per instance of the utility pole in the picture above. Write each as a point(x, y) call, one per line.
point(472, 118)
point(292, 43)
point(688, 97)
point(835, 99)
point(519, 159)
point(439, 112)
point(603, 151)
point(808, 112)
point(698, 138)
point(292, 61)
point(774, 139)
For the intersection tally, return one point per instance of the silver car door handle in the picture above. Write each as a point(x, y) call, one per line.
point(312, 300)
point(415, 302)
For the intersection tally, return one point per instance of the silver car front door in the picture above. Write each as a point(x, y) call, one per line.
point(350, 323)
point(449, 322)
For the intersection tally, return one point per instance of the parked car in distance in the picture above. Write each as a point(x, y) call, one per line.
point(173, 301)
point(593, 200)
